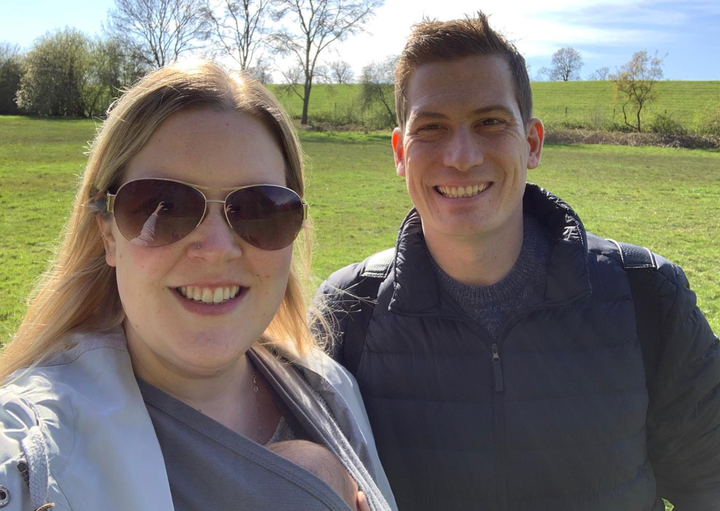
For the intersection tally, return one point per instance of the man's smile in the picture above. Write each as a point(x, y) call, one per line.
point(462, 191)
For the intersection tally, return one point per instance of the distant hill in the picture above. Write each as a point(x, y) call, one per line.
point(582, 104)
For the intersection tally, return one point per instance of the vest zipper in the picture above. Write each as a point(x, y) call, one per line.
point(497, 368)
point(499, 425)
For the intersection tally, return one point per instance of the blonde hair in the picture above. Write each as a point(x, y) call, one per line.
point(78, 292)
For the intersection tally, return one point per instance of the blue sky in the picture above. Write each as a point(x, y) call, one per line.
point(606, 32)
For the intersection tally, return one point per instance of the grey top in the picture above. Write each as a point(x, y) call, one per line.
point(210, 467)
point(491, 306)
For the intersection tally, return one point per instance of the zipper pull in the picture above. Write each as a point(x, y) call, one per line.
point(497, 368)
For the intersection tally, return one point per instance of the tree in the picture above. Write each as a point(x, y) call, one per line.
point(377, 89)
point(315, 25)
point(634, 84)
point(10, 76)
point(56, 74)
point(239, 28)
point(160, 30)
point(261, 71)
point(113, 68)
point(600, 74)
point(339, 72)
point(543, 74)
point(66, 73)
point(566, 65)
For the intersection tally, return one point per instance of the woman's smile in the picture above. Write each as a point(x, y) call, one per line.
point(217, 302)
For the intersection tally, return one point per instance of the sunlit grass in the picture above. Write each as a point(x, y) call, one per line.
point(589, 104)
point(666, 199)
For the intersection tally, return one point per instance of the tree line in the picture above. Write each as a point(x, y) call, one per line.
point(68, 73)
point(71, 74)
point(634, 82)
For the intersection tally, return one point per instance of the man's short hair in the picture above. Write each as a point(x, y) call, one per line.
point(442, 41)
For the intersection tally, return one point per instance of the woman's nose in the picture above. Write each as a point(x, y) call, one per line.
point(214, 239)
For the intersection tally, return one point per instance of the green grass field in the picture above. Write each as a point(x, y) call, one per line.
point(667, 199)
point(587, 104)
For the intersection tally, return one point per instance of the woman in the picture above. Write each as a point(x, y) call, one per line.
point(167, 343)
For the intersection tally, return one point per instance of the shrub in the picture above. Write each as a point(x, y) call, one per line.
point(620, 127)
point(10, 76)
point(710, 124)
point(665, 124)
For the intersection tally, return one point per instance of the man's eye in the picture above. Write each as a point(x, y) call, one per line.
point(429, 127)
point(491, 122)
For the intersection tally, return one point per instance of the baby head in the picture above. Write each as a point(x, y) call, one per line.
point(324, 464)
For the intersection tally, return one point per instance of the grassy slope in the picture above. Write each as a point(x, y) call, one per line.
point(667, 199)
point(589, 103)
point(40, 161)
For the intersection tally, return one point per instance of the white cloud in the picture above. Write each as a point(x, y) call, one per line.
point(538, 28)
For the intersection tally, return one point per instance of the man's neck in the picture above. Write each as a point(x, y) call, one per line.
point(479, 260)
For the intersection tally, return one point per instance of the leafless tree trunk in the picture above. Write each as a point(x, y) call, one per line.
point(160, 29)
point(262, 70)
point(601, 74)
point(238, 27)
point(339, 72)
point(566, 65)
point(315, 25)
point(377, 87)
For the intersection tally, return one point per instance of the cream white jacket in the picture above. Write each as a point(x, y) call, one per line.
point(75, 431)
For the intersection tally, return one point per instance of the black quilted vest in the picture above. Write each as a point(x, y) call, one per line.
point(550, 415)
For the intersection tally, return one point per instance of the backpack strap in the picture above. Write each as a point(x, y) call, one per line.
point(640, 265)
point(375, 269)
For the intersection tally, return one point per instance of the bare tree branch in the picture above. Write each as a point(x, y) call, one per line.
point(377, 88)
point(161, 30)
point(315, 25)
point(238, 27)
point(600, 74)
point(566, 65)
point(338, 71)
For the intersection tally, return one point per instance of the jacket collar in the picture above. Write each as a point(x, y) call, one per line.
point(417, 292)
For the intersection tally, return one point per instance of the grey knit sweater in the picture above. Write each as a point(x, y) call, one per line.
point(491, 306)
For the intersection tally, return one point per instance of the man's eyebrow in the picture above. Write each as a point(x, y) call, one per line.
point(431, 114)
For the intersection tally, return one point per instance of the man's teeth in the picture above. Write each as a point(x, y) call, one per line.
point(462, 191)
point(209, 295)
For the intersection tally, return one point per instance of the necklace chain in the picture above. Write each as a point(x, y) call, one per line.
point(257, 404)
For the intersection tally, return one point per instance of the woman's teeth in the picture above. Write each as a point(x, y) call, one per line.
point(461, 191)
point(209, 295)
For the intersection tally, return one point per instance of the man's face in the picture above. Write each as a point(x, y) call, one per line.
point(465, 150)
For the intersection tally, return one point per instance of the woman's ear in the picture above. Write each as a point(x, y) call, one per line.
point(106, 232)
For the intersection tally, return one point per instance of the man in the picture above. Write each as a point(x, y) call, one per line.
point(503, 365)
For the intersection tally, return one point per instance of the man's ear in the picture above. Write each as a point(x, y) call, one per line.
point(399, 152)
point(105, 227)
point(361, 502)
point(535, 137)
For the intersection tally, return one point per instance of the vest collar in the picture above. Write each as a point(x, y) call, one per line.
point(417, 292)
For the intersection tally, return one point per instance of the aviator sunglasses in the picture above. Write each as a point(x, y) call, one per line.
point(155, 212)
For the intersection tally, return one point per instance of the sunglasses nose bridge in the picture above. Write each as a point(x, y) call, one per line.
point(223, 207)
point(214, 233)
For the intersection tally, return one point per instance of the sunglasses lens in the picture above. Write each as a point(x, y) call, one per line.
point(267, 217)
point(154, 212)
